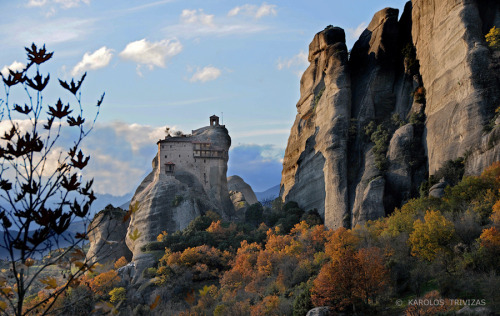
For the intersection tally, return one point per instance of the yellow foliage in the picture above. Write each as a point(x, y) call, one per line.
point(161, 236)
point(431, 236)
point(51, 283)
point(493, 38)
point(118, 294)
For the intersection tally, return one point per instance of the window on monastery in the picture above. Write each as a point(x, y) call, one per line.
point(170, 146)
point(204, 160)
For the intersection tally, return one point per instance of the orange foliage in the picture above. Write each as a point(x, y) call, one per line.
point(492, 172)
point(104, 282)
point(268, 306)
point(340, 242)
point(350, 278)
point(120, 263)
point(495, 216)
point(490, 239)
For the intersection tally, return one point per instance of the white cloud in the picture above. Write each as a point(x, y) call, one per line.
point(355, 33)
point(37, 3)
point(297, 64)
point(197, 17)
point(50, 32)
point(196, 23)
point(298, 60)
point(65, 4)
point(254, 11)
point(98, 59)
point(205, 74)
point(151, 54)
point(15, 66)
point(266, 9)
point(120, 153)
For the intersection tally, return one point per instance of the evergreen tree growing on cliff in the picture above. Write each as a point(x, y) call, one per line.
point(41, 187)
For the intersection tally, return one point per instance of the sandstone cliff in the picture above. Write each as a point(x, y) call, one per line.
point(415, 92)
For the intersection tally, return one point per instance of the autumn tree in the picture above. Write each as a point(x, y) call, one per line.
point(41, 187)
point(353, 278)
point(431, 236)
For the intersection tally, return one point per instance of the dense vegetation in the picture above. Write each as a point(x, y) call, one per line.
point(283, 261)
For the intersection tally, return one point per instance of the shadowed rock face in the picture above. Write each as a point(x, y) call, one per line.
point(107, 236)
point(432, 101)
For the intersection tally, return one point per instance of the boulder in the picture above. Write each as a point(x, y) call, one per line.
point(319, 311)
point(236, 183)
point(437, 190)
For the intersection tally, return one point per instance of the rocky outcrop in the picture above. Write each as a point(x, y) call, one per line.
point(462, 91)
point(107, 236)
point(437, 190)
point(319, 311)
point(237, 184)
point(415, 93)
point(169, 202)
point(315, 165)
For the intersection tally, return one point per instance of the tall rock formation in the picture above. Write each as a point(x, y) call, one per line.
point(414, 93)
point(315, 165)
point(188, 179)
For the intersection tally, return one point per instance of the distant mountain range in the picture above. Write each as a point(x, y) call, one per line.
point(269, 194)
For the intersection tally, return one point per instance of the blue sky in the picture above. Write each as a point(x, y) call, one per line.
point(175, 63)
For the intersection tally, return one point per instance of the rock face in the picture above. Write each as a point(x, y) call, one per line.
point(236, 183)
point(461, 90)
point(188, 179)
point(414, 93)
point(315, 165)
point(107, 236)
point(241, 195)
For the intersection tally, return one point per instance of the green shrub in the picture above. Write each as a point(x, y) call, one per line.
point(177, 200)
point(302, 303)
point(253, 215)
point(410, 55)
point(318, 97)
point(452, 171)
point(149, 273)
